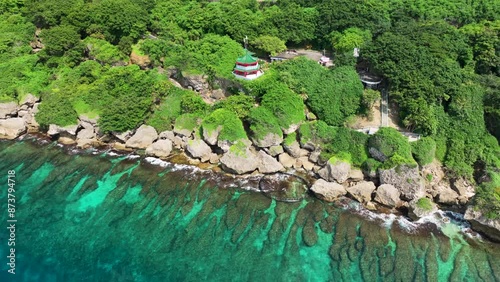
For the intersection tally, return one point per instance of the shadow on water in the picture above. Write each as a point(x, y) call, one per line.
point(95, 217)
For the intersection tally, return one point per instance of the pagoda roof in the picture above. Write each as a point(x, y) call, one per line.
point(247, 58)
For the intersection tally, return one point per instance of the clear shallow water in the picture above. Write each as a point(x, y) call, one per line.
point(111, 218)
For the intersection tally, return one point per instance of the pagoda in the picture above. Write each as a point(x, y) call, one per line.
point(247, 67)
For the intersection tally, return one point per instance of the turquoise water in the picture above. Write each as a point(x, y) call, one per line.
point(85, 217)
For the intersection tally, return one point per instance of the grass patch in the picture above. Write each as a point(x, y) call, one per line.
point(425, 204)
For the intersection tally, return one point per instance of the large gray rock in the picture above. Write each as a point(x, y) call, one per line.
point(86, 133)
point(211, 137)
point(362, 191)
point(239, 159)
point(446, 195)
point(418, 210)
point(122, 136)
point(328, 191)
point(489, 227)
point(199, 149)
point(12, 128)
point(294, 150)
point(144, 136)
point(269, 140)
point(335, 170)
point(86, 143)
point(376, 154)
point(56, 129)
point(406, 179)
point(286, 160)
point(87, 119)
point(275, 150)
point(29, 100)
point(161, 148)
point(182, 131)
point(169, 135)
point(463, 187)
point(194, 82)
point(291, 129)
point(356, 175)
point(8, 109)
point(387, 195)
point(268, 164)
point(306, 164)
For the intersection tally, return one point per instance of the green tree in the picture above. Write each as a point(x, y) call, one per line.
point(269, 44)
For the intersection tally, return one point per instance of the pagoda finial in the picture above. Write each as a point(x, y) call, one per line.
point(245, 42)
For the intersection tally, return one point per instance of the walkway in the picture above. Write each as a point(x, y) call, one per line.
point(384, 107)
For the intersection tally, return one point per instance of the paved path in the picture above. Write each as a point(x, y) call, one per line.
point(384, 108)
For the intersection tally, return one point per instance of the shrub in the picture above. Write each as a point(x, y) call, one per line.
point(232, 127)
point(103, 51)
point(424, 150)
point(425, 204)
point(487, 198)
point(371, 165)
point(56, 109)
point(390, 142)
point(187, 121)
point(170, 108)
point(262, 122)
point(290, 138)
point(286, 106)
point(239, 104)
point(192, 103)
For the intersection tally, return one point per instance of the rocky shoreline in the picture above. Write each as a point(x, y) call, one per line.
point(412, 190)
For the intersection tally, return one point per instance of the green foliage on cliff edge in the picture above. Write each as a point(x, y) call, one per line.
point(487, 198)
point(263, 122)
point(424, 150)
point(425, 204)
point(287, 106)
point(57, 110)
point(232, 127)
point(393, 145)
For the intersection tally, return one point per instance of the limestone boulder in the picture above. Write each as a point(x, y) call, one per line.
point(29, 100)
point(211, 136)
point(356, 175)
point(463, 187)
point(198, 149)
point(275, 150)
point(291, 129)
point(306, 164)
point(286, 160)
point(161, 148)
point(406, 178)
point(166, 135)
point(239, 159)
point(420, 207)
point(86, 133)
point(12, 128)
point(8, 109)
point(328, 191)
point(269, 140)
point(144, 136)
point(335, 170)
point(446, 195)
point(362, 191)
point(294, 149)
point(387, 195)
point(65, 130)
point(489, 227)
point(268, 164)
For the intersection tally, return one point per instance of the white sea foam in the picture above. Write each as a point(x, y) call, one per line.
point(156, 161)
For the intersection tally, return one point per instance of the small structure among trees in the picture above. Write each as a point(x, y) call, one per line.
point(247, 67)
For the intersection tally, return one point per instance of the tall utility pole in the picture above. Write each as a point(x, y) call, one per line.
point(245, 42)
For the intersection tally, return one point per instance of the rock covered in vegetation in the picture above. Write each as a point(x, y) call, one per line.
point(268, 164)
point(29, 100)
point(143, 137)
point(239, 159)
point(335, 170)
point(198, 149)
point(362, 191)
point(483, 224)
point(405, 178)
point(12, 128)
point(328, 191)
point(420, 207)
point(275, 150)
point(161, 148)
point(387, 195)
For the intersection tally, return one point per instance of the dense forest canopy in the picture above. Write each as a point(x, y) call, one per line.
point(441, 61)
